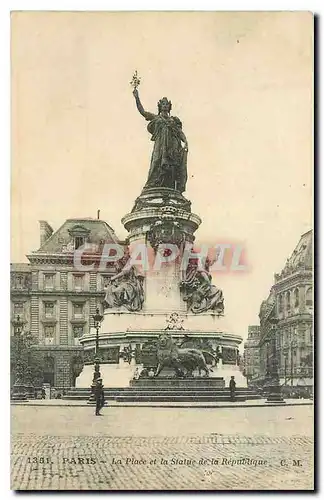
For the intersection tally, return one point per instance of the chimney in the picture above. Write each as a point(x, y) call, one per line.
point(45, 231)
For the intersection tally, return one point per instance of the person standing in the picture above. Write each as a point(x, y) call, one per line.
point(232, 386)
point(99, 396)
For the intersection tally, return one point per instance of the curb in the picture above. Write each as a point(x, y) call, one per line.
point(157, 405)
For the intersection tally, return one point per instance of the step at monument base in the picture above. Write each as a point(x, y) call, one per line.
point(181, 383)
point(169, 390)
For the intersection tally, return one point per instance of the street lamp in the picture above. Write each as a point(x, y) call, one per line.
point(19, 388)
point(286, 351)
point(274, 395)
point(97, 319)
point(30, 389)
point(293, 347)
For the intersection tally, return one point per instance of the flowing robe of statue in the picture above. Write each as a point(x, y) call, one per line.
point(125, 289)
point(200, 294)
point(169, 159)
point(168, 166)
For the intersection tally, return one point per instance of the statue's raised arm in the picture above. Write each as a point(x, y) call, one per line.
point(147, 115)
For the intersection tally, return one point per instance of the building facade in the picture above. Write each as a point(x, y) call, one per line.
point(251, 358)
point(286, 320)
point(56, 297)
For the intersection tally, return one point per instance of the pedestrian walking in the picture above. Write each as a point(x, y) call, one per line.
point(99, 396)
point(232, 386)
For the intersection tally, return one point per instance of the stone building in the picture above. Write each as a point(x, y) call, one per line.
point(55, 298)
point(251, 358)
point(290, 303)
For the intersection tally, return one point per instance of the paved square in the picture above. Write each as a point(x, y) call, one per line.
point(68, 448)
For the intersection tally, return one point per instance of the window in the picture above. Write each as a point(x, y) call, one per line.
point(78, 242)
point(280, 305)
point(19, 282)
point(288, 301)
point(49, 309)
point(296, 294)
point(49, 333)
point(309, 297)
point(78, 310)
point(77, 331)
point(18, 309)
point(48, 281)
point(78, 282)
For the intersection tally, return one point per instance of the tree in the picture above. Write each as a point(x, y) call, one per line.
point(24, 363)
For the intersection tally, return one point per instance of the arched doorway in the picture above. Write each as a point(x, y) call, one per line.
point(48, 370)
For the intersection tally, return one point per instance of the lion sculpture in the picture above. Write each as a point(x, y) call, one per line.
point(183, 360)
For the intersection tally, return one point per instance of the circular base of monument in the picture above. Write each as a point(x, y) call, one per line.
point(128, 331)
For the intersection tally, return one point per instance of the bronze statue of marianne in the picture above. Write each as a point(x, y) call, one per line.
point(169, 157)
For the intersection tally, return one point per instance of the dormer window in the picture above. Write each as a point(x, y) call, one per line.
point(80, 235)
point(78, 242)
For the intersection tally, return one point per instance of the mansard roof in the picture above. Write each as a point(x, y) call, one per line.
point(300, 259)
point(97, 232)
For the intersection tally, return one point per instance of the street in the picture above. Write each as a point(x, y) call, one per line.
point(68, 448)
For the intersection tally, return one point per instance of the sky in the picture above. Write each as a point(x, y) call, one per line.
point(241, 83)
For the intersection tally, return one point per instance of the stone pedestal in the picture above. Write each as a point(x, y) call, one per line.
point(227, 371)
point(157, 319)
point(113, 375)
point(160, 218)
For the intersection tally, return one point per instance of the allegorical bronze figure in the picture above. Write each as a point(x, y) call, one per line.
point(125, 289)
point(199, 292)
point(169, 157)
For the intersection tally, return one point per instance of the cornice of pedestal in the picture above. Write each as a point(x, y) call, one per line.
point(143, 335)
point(161, 204)
point(148, 216)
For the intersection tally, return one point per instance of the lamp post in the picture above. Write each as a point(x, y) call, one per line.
point(285, 351)
point(274, 395)
point(97, 319)
point(19, 388)
point(293, 347)
point(30, 389)
point(268, 378)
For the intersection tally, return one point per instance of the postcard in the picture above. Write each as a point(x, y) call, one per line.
point(161, 333)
